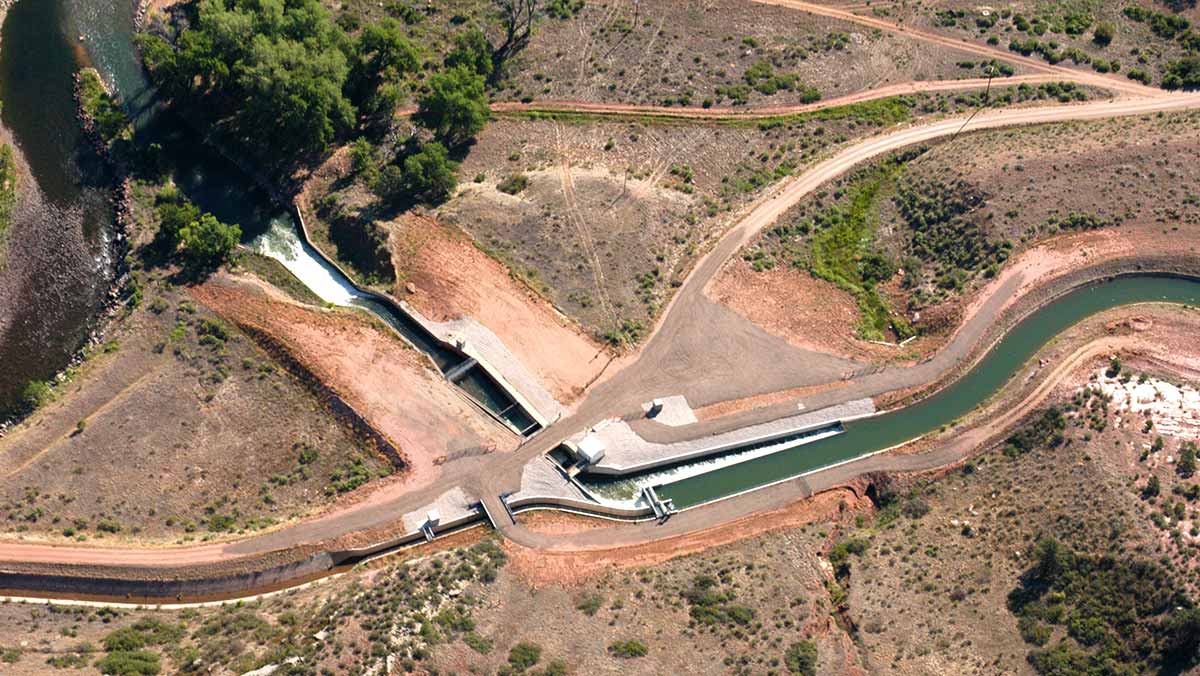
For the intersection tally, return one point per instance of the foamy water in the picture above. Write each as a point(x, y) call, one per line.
point(282, 242)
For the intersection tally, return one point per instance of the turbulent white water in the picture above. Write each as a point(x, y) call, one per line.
point(627, 492)
point(282, 242)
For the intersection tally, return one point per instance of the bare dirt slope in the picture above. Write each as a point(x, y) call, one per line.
point(445, 276)
point(390, 384)
point(179, 428)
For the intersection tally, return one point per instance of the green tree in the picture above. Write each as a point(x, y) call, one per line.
point(384, 57)
point(174, 214)
point(208, 241)
point(1187, 460)
point(1152, 488)
point(456, 105)
point(429, 175)
point(362, 155)
point(293, 95)
point(471, 50)
point(1051, 559)
point(272, 72)
point(1104, 33)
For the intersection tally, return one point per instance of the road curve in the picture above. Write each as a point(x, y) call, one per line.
point(767, 209)
point(499, 472)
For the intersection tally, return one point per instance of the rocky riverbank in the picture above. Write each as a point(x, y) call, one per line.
point(123, 286)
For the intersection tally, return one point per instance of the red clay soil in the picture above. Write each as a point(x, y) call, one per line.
point(560, 523)
point(810, 313)
point(386, 381)
point(445, 276)
point(540, 568)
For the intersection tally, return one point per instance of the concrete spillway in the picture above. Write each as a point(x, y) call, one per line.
point(284, 242)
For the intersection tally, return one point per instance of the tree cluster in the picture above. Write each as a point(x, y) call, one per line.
point(278, 76)
point(1121, 615)
point(200, 240)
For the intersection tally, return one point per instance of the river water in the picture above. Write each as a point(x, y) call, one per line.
point(55, 267)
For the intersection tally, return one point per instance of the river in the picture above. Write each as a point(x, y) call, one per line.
point(56, 265)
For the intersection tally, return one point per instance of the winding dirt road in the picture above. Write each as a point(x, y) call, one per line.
point(684, 315)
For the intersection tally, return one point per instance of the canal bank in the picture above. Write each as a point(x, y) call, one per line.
point(965, 394)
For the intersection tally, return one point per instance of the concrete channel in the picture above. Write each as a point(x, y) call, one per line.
point(452, 354)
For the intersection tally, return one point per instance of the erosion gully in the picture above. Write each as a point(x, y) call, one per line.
point(44, 43)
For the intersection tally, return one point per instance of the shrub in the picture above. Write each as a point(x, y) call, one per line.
point(1114, 367)
point(513, 184)
point(125, 638)
point(524, 655)
point(36, 393)
point(107, 525)
point(1045, 431)
point(110, 120)
point(801, 658)
point(1183, 74)
point(628, 649)
point(563, 9)
point(589, 604)
point(129, 663)
point(1104, 33)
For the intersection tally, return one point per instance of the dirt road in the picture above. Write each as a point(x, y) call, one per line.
point(761, 112)
point(1085, 77)
point(688, 315)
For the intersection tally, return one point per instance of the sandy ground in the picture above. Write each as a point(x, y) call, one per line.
point(445, 276)
point(731, 406)
point(1062, 254)
point(386, 381)
point(539, 568)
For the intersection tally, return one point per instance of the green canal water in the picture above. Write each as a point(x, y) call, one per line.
point(985, 379)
